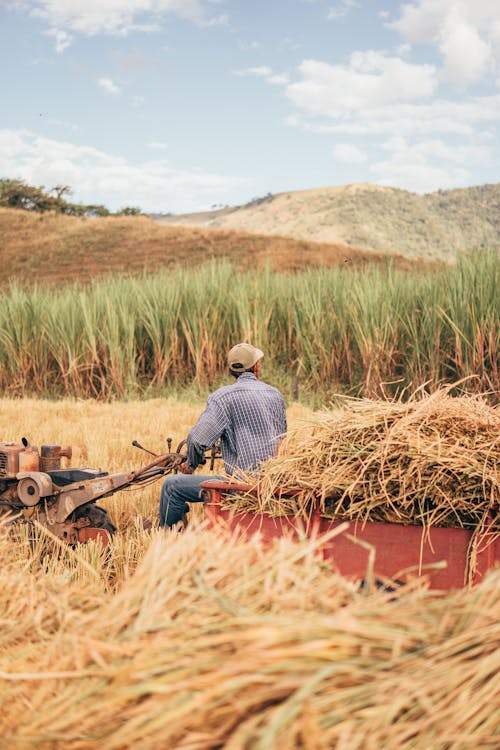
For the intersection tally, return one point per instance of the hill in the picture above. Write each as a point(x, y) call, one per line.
point(436, 225)
point(56, 248)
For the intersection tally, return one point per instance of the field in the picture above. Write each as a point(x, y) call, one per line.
point(116, 329)
point(370, 332)
point(200, 641)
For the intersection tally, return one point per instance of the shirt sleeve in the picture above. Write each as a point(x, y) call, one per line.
point(209, 428)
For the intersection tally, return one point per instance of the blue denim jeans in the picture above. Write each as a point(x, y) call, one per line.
point(177, 491)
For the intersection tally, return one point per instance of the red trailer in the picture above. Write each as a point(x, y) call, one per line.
point(385, 551)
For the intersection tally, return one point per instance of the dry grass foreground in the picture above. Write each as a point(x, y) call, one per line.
point(215, 643)
point(57, 249)
point(201, 641)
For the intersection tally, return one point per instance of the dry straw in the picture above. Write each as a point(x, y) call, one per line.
point(215, 642)
point(433, 461)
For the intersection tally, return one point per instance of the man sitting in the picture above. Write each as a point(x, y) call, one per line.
point(248, 416)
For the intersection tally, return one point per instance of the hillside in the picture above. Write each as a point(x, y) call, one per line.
point(56, 248)
point(436, 225)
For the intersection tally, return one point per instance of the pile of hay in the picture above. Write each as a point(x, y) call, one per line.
point(216, 642)
point(434, 461)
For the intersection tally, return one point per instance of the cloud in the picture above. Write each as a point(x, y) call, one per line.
point(91, 17)
point(263, 71)
point(109, 86)
point(371, 79)
point(63, 39)
point(341, 10)
point(158, 145)
point(348, 153)
point(99, 177)
point(427, 165)
point(438, 116)
point(466, 34)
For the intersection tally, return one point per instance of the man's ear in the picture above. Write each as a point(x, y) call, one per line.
point(256, 369)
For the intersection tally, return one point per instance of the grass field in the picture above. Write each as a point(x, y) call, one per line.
point(369, 332)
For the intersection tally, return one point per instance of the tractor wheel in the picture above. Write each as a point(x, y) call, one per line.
point(97, 517)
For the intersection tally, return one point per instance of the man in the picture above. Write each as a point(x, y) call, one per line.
point(248, 416)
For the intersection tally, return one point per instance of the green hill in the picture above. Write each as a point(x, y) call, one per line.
point(436, 225)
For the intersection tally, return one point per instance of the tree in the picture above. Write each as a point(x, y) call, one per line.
point(129, 211)
point(17, 194)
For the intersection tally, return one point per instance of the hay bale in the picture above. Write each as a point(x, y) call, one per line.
point(434, 461)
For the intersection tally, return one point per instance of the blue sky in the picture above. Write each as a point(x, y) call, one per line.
point(180, 105)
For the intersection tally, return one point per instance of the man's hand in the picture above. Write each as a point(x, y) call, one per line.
point(185, 468)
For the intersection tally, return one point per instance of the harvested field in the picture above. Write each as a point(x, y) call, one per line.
point(202, 640)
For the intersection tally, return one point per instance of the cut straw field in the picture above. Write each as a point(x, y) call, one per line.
point(201, 640)
point(370, 332)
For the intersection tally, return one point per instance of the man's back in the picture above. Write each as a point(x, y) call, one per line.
point(250, 418)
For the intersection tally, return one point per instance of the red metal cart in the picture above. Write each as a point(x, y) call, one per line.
point(387, 551)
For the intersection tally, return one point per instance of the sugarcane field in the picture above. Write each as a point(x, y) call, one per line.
point(250, 375)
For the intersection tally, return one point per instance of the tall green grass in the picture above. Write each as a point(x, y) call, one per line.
point(360, 332)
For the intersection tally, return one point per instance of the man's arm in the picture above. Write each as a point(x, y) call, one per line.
point(209, 428)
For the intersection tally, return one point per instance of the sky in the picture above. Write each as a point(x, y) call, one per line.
point(181, 105)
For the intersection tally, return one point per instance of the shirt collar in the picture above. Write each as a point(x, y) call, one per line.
point(246, 376)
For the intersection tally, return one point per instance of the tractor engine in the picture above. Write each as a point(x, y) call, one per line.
point(34, 487)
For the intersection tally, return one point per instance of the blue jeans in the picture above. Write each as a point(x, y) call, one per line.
point(177, 491)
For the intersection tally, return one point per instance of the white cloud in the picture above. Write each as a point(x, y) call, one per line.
point(466, 56)
point(466, 34)
point(92, 17)
point(427, 165)
point(341, 10)
point(62, 39)
point(371, 79)
point(158, 145)
point(98, 177)
point(260, 70)
point(264, 71)
point(348, 153)
point(278, 79)
point(435, 149)
point(438, 116)
point(109, 86)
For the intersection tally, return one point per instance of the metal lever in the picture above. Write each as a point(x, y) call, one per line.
point(138, 445)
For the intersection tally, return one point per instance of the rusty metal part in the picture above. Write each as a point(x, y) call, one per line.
point(32, 486)
point(50, 456)
point(9, 459)
point(136, 444)
point(29, 460)
point(91, 533)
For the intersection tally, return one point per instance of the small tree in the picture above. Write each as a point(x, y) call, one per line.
point(129, 211)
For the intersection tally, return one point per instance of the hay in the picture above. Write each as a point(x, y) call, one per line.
point(215, 642)
point(434, 461)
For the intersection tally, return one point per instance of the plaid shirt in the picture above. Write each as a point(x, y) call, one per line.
point(249, 417)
